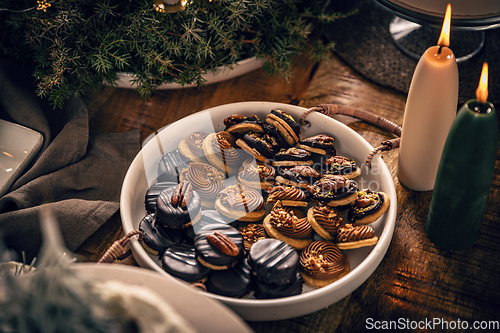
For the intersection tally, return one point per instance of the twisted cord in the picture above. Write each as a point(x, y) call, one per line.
point(385, 124)
point(117, 249)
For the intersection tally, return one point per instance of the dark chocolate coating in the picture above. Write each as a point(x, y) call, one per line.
point(170, 166)
point(209, 253)
point(259, 143)
point(272, 131)
point(180, 261)
point(321, 191)
point(234, 282)
point(295, 174)
point(268, 291)
point(156, 238)
point(175, 217)
point(273, 261)
point(291, 122)
point(354, 213)
point(152, 195)
point(284, 155)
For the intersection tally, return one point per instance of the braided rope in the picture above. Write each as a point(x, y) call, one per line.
point(385, 124)
point(117, 249)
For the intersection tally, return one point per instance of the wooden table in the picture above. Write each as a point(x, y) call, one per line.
point(417, 284)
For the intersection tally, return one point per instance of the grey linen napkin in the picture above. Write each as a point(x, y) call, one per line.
point(76, 175)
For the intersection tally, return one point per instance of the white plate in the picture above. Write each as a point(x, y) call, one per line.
point(221, 73)
point(143, 172)
point(18, 146)
point(190, 304)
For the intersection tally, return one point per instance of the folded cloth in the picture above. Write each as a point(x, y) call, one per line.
point(76, 176)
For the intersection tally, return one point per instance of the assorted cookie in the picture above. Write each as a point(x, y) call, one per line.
point(256, 209)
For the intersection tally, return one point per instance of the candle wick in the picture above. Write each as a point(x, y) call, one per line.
point(440, 49)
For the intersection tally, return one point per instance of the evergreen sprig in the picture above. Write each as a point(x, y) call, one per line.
point(77, 45)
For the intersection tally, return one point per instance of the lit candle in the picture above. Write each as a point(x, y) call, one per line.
point(465, 172)
point(430, 109)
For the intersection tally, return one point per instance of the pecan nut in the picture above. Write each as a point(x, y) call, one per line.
point(183, 194)
point(223, 243)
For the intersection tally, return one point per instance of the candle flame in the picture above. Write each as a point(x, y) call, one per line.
point(482, 89)
point(444, 38)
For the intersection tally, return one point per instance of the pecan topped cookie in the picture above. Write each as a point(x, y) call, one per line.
point(299, 176)
point(238, 124)
point(333, 190)
point(292, 156)
point(368, 207)
point(341, 165)
point(320, 144)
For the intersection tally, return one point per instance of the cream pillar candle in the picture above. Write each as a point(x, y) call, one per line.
point(430, 109)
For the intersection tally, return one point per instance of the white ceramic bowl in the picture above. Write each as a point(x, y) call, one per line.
point(143, 172)
point(222, 73)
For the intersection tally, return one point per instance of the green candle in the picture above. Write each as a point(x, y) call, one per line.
point(464, 177)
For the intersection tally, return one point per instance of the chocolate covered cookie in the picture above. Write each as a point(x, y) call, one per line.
point(264, 290)
point(155, 239)
point(286, 126)
point(333, 190)
point(218, 246)
point(291, 157)
point(171, 166)
point(322, 263)
point(340, 165)
point(239, 125)
point(178, 207)
point(257, 145)
point(368, 207)
point(180, 261)
point(321, 144)
point(152, 194)
point(299, 176)
point(233, 282)
point(273, 261)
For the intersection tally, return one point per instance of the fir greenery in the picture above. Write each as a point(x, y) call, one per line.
point(75, 45)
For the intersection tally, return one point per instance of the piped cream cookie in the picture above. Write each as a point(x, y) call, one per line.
point(256, 175)
point(207, 181)
point(222, 152)
point(352, 237)
point(241, 203)
point(288, 195)
point(322, 263)
point(192, 147)
point(289, 225)
point(325, 221)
